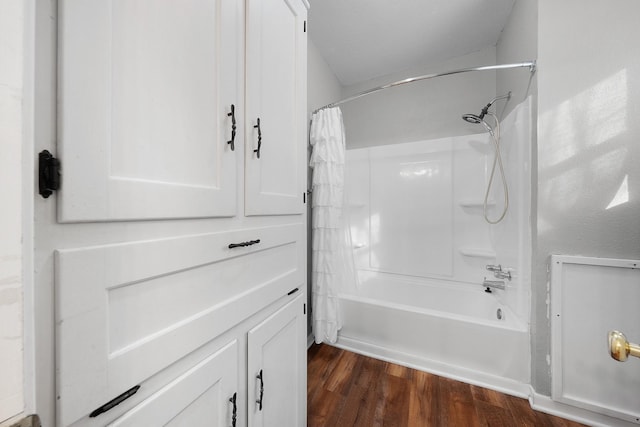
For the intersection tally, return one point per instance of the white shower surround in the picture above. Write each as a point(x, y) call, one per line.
point(420, 301)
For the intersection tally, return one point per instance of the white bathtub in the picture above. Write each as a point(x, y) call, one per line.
point(447, 329)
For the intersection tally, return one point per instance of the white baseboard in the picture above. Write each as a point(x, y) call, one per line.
point(545, 404)
point(310, 339)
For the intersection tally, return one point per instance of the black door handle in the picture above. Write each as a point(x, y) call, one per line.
point(234, 414)
point(259, 401)
point(243, 244)
point(257, 151)
point(232, 114)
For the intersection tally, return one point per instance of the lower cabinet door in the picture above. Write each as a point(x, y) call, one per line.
point(204, 395)
point(277, 363)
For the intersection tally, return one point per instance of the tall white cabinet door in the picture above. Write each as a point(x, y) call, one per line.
point(275, 152)
point(145, 91)
point(206, 394)
point(277, 363)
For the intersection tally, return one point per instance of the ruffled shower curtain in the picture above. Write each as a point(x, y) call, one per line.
point(330, 254)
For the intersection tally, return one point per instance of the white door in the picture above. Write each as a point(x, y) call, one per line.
point(206, 394)
point(277, 368)
point(145, 95)
point(275, 151)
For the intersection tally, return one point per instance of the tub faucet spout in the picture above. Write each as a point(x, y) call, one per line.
point(496, 284)
point(502, 275)
point(494, 268)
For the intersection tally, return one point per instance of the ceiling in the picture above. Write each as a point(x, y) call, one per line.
point(363, 39)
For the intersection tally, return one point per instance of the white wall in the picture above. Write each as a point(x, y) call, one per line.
point(423, 110)
point(11, 290)
point(588, 143)
point(518, 43)
point(323, 86)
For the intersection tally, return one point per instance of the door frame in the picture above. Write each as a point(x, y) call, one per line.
point(39, 132)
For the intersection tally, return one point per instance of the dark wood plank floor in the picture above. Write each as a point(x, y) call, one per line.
point(346, 389)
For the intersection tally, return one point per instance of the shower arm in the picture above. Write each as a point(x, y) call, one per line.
point(529, 64)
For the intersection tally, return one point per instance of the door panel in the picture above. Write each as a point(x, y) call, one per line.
point(276, 63)
point(276, 351)
point(124, 312)
point(145, 89)
point(202, 393)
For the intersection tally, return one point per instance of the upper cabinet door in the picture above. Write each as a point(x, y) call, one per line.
point(145, 92)
point(276, 96)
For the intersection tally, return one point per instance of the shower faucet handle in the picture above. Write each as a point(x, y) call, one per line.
point(494, 268)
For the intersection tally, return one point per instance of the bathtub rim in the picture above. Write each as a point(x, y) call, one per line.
point(512, 321)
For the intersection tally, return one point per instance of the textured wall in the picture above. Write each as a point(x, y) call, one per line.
point(11, 323)
point(588, 143)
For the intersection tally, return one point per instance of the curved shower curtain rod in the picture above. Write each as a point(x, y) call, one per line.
point(530, 64)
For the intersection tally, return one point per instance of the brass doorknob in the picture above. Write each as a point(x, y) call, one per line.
point(620, 349)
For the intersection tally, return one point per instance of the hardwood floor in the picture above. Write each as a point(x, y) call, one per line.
point(346, 389)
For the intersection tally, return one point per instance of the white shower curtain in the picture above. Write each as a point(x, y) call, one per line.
point(330, 254)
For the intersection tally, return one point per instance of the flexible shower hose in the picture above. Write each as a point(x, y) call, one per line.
point(497, 158)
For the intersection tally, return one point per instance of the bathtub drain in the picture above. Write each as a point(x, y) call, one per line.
point(499, 314)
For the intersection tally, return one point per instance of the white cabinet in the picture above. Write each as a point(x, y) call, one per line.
point(127, 311)
point(277, 368)
point(145, 114)
point(276, 107)
point(168, 237)
point(145, 90)
point(208, 391)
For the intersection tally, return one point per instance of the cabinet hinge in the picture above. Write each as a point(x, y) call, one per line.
point(304, 308)
point(48, 173)
point(305, 26)
point(114, 402)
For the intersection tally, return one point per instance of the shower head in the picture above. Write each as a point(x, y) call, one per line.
point(472, 118)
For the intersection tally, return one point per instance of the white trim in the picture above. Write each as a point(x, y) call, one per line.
point(558, 377)
point(310, 340)
point(545, 404)
point(28, 195)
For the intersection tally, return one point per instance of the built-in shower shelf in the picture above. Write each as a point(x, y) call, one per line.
point(477, 252)
point(475, 203)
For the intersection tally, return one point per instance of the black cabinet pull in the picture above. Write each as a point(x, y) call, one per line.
point(232, 114)
point(257, 151)
point(115, 402)
point(234, 414)
point(243, 244)
point(259, 401)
